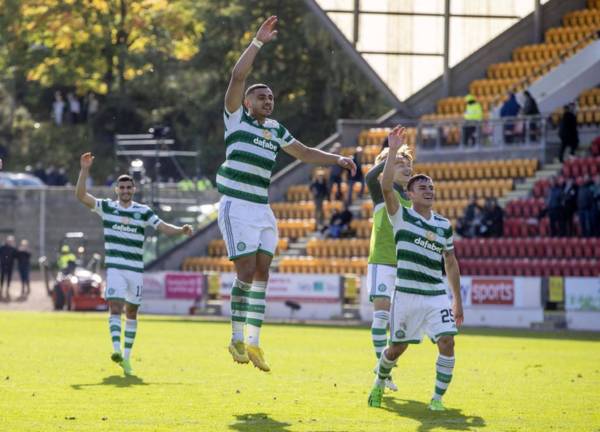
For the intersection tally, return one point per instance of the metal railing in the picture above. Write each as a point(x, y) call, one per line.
point(493, 133)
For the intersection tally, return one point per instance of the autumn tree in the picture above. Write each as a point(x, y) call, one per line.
point(95, 45)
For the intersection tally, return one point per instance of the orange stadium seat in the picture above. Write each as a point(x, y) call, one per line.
point(316, 265)
point(216, 248)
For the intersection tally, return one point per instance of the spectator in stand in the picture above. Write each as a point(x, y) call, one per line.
point(3, 154)
point(358, 177)
point(510, 108)
point(320, 193)
point(596, 208)
point(40, 172)
point(554, 208)
point(585, 205)
point(91, 106)
point(465, 225)
point(74, 108)
point(58, 108)
point(530, 108)
point(335, 173)
point(339, 224)
point(61, 177)
point(492, 221)
point(51, 176)
point(473, 115)
point(8, 254)
point(570, 207)
point(474, 229)
point(567, 131)
point(24, 266)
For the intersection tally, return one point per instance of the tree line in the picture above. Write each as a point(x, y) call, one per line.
point(164, 62)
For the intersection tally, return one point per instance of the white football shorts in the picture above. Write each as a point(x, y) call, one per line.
point(124, 285)
point(381, 280)
point(247, 227)
point(415, 314)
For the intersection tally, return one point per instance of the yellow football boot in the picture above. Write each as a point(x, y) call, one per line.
point(256, 357)
point(238, 352)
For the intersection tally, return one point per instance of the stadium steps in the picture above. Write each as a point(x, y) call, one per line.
point(298, 248)
point(523, 189)
point(553, 320)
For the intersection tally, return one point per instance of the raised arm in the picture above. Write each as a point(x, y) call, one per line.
point(81, 193)
point(320, 157)
point(453, 275)
point(395, 140)
point(235, 90)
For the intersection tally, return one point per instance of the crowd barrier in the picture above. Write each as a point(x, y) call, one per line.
point(172, 292)
point(298, 296)
point(488, 301)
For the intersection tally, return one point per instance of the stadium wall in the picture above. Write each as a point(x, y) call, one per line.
point(488, 301)
point(582, 303)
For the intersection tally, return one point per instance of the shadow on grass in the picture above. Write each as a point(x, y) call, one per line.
point(451, 419)
point(115, 380)
point(258, 422)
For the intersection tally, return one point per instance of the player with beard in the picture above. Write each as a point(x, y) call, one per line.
point(246, 220)
point(124, 221)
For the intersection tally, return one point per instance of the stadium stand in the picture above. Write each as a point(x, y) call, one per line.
point(588, 111)
point(216, 247)
point(526, 248)
point(529, 62)
point(296, 216)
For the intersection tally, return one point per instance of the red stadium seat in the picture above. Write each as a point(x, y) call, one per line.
point(500, 246)
point(544, 227)
point(485, 249)
point(576, 246)
point(574, 268)
point(526, 208)
point(511, 248)
point(588, 247)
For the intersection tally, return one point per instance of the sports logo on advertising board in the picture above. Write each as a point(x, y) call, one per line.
point(492, 292)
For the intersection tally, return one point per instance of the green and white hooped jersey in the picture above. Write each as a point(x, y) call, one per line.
point(250, 156)
point(420, 244)
point(124, 233)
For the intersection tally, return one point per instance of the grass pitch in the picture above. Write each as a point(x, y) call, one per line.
point(55, 374)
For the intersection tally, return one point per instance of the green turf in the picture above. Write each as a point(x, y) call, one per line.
point(56, 374)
